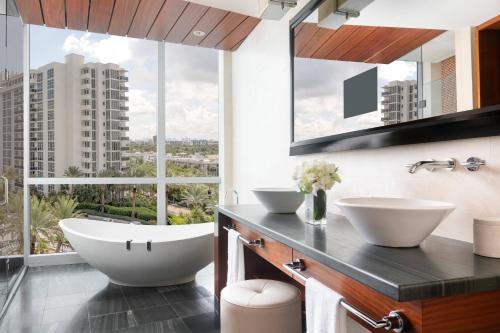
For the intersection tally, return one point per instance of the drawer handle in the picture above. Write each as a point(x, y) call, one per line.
point(394, 321)
point(254, 242)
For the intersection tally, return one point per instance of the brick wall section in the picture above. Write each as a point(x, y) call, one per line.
point(448, 86)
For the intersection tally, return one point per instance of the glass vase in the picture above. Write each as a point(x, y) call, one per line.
point(316, 208)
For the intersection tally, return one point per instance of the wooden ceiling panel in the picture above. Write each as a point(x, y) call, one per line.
point(359, 43)
point(100, 15)
point(207, 23)
point(304, 35)
point(123, 14)
point(354, 39)
point(144, 17)
point(189, 18)
point(31, 12)
point(373, 43)
point(409, 42)
point(163, 20)
point(166, 18)
point(315, 42)
point(77, 14)
point(232, 41)
point(223, 29)
point(340, 35)
point(54, 13)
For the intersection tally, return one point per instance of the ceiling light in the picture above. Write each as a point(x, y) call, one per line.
point(199, 33)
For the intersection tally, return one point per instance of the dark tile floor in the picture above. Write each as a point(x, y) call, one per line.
point(77, 298)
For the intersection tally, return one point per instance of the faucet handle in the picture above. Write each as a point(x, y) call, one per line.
point(473, 163)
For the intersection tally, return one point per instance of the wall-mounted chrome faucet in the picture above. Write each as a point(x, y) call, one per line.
point(472, 164)
point(432, 165)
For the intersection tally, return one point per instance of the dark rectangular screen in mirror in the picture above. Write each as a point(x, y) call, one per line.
point(360, 94)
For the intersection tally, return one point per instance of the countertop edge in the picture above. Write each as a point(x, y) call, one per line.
point(380, 285)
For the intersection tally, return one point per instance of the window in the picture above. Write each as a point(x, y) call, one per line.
point(191, 128)
point(112, 129)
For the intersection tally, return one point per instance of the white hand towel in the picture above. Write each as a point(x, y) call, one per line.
point(235, 258)
point(324, 313)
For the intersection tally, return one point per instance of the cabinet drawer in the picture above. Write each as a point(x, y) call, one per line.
point(274, 252)
point(362, 297)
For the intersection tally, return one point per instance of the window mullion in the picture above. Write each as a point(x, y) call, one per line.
point(161, 200)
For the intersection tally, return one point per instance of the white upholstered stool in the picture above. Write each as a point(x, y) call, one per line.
point(263, 306)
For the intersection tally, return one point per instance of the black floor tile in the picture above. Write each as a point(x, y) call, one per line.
point(77, 325)
point(194, 307)
point(204, 323)
point(146, 301)
point(158, 313)
point(185, 294)
point(108, 306)
point(79, 299)
point(65, 313)
point(175, 325)
point(66, 300)
point(107, 293)
point(112, 322)
point(138, 291)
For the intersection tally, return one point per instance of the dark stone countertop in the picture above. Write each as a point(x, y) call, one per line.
point(439, 267)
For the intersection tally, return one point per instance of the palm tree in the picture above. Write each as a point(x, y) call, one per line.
point(14, 222)
point(195, 196)
point(104, 190)
point(72, 172)
point(138, 167)
point(42, 224)
point(63, 208)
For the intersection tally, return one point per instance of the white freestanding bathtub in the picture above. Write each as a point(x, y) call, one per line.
point(176, 253)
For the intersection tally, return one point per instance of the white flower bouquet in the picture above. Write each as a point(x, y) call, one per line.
point(314, 179)
point(318, 175)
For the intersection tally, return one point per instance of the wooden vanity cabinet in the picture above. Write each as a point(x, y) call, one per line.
point(470, 313)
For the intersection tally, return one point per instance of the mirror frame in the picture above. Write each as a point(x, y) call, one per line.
point(475, 123)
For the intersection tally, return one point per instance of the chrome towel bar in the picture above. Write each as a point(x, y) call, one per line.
point(394, 321)
point(255, 242)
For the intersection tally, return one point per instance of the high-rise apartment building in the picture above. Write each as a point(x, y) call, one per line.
point(11, 124)
point(78, 117)
point(400, 101)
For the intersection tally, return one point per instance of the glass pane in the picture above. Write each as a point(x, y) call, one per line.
point(110, 203)
point(191, 116)
point(11, 148)
point(92, 105)
point(191, 203)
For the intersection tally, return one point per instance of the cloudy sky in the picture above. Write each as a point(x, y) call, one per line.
point(191, 78)
point(319, 105)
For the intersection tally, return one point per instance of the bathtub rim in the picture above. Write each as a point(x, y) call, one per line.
point(86, 236)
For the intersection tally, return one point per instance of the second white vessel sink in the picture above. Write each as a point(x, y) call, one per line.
point(394, 222)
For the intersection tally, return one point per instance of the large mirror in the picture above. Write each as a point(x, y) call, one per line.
point(359, 82)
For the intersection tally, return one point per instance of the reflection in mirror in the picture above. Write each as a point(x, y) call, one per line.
point(376, 71)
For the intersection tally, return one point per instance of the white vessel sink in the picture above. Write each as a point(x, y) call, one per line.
point(394, 222)
point(279, 200)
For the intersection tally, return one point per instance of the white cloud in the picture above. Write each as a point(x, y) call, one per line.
point(192, 110)
point(141, 102)
point(112, 49)
point(398, 70)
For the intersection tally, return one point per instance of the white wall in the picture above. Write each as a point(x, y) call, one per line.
point(261, 130)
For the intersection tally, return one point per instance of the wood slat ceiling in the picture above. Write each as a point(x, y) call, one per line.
point(163, 20)
point(380, 45)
